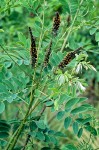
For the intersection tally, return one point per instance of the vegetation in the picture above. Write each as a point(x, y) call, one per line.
point(49, 75)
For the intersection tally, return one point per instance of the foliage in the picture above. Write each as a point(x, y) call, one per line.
point(36, 96)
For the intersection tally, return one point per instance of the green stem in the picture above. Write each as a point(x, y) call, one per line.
point(70, 29)
point(41, 35)
point(16, 136)
point(65, 40)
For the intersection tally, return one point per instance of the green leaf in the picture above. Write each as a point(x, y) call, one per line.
point(26, 62)
point(3, 88)
point(61, 79)
point(74, 88)
point(60, 55)
point(87, 120)
point(73, 45)
point(71, 102)
point(75, 128)
point(67, 122)
point(56, 58)
point(2, 107)
point(35, 5)
point(64, 98)
point(91, 130)
point(97, 37)
point(60, 115)
point(69, 147)
point(53, 62)
point(49, 103)
point(79, 110)
point(51, 132)
point(1, 30)
point(88, 106)
point(53, 140)
point(73, 4)
point(4, 128)
point(10, 99)
point(8, 75)
point(83, 121)
point(92, 31)
point(3, 143)
point(33, 134)
point(60, 134)
point(40, 124)
point(47, 138)
point(81, 99)
point(49, 67)
point(20, 62)
point(8, 64)
point(3, 134)
point(22, 38)
point(65, 6)
point(33, 126)
point(80, 132)
point(40, 136)
point(79, 120)
point(5, 124)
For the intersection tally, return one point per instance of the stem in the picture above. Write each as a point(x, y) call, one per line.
point(29, 136)
point(16, 136)
point(65, 40)
point(70, 29)
point(41, 35)
point(26, 142)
